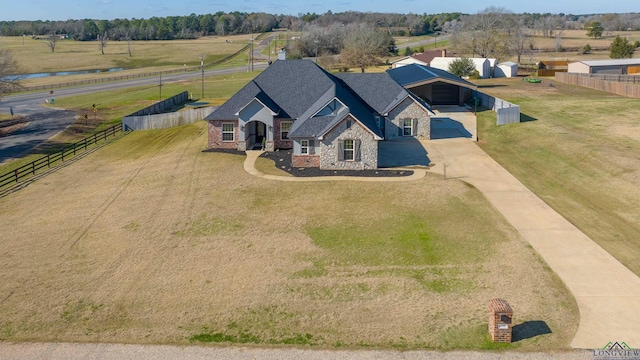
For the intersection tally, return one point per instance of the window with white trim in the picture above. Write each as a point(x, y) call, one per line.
point(228, 133)
point(304, 147)
point(285, 126)
point(348, 150)
point(407, 127)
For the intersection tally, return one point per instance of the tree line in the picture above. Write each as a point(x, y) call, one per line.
point(220, 23)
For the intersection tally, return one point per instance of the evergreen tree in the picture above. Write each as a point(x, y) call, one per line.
point(620, 48)
point(462, 67)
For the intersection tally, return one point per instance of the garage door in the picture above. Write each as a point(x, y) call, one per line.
point(445, 94)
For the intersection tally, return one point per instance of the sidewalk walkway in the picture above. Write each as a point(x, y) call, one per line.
point(607, 293)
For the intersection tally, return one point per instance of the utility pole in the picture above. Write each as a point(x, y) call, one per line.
point(251, 56)
point(202, 67)
point(317, 42)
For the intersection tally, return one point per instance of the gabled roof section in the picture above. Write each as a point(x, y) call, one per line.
point(295, 85)
point(429, 55)
point(379, 91)
point(415, 75)
point(287, 87)
point(298, 89)
point(240, 100)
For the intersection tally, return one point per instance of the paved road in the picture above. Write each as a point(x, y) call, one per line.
point(46, 122)
point(53, 351)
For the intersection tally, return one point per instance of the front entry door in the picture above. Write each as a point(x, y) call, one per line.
point(261, 131)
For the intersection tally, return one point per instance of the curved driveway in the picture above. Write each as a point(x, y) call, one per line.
point(607, 293)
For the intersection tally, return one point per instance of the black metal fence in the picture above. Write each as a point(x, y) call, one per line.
point(52, 160)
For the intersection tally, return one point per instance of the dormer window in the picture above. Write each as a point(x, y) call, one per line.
point(332, 108)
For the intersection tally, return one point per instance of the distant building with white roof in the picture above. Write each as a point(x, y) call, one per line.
point(613, 66)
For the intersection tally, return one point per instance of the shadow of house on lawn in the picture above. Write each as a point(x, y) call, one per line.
point(447, 128)
point(402, 153)
point(529, 329)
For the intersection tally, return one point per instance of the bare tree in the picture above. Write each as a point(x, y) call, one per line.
point(9, 72)
point(363, 45)
point(558, 41)
point(520, 42)
point(51, 40)
point(485, 34)
point(102, 41)
point(127, 37)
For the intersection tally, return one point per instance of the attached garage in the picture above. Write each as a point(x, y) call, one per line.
point(445, 94)
point(435, 86)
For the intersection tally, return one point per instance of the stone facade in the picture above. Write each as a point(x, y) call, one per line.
point(368, 146)
point(215, 135)
point(279, 143)
point(305, 160)
point(408, 109)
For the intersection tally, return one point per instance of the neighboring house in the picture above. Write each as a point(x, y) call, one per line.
point(506, 69)
point(330, 121)
point(435, 86)
point(615, 66)
point(423, 58)
point(481, 64)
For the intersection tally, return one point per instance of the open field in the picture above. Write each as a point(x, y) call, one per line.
point(581, 156)
point(148, 56)
point(150, 240)
point(113, 105)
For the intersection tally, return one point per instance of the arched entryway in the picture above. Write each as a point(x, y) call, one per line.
point(256, 135)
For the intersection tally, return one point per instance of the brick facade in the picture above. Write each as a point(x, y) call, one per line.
point(305, 160)
point(278, 142)
point(408, 109)
point(329, 157)
point(500, 320)
point(215, 135)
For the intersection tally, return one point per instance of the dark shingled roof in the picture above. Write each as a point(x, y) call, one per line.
point(414, 73)
point(298, 89)
point(380, 91)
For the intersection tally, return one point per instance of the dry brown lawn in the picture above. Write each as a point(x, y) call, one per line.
point(151, 240)
point(148, 56)
point(581, 156)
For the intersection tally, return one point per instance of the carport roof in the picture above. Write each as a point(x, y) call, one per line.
point(415, 75)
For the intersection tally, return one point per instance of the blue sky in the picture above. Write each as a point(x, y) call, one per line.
point(111, 9)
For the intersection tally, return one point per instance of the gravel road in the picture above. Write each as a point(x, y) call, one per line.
point(10, 351)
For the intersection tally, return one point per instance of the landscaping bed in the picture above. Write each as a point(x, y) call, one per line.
point(282, 161)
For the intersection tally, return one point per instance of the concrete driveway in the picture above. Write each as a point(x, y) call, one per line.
point(450, 122)
point(607, 293)
point(453, 122)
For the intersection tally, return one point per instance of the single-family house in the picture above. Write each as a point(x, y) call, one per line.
point(481, 64)
point(331, 121)
point(423, 58)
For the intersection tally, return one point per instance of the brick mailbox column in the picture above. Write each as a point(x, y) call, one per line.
point(500, 320)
